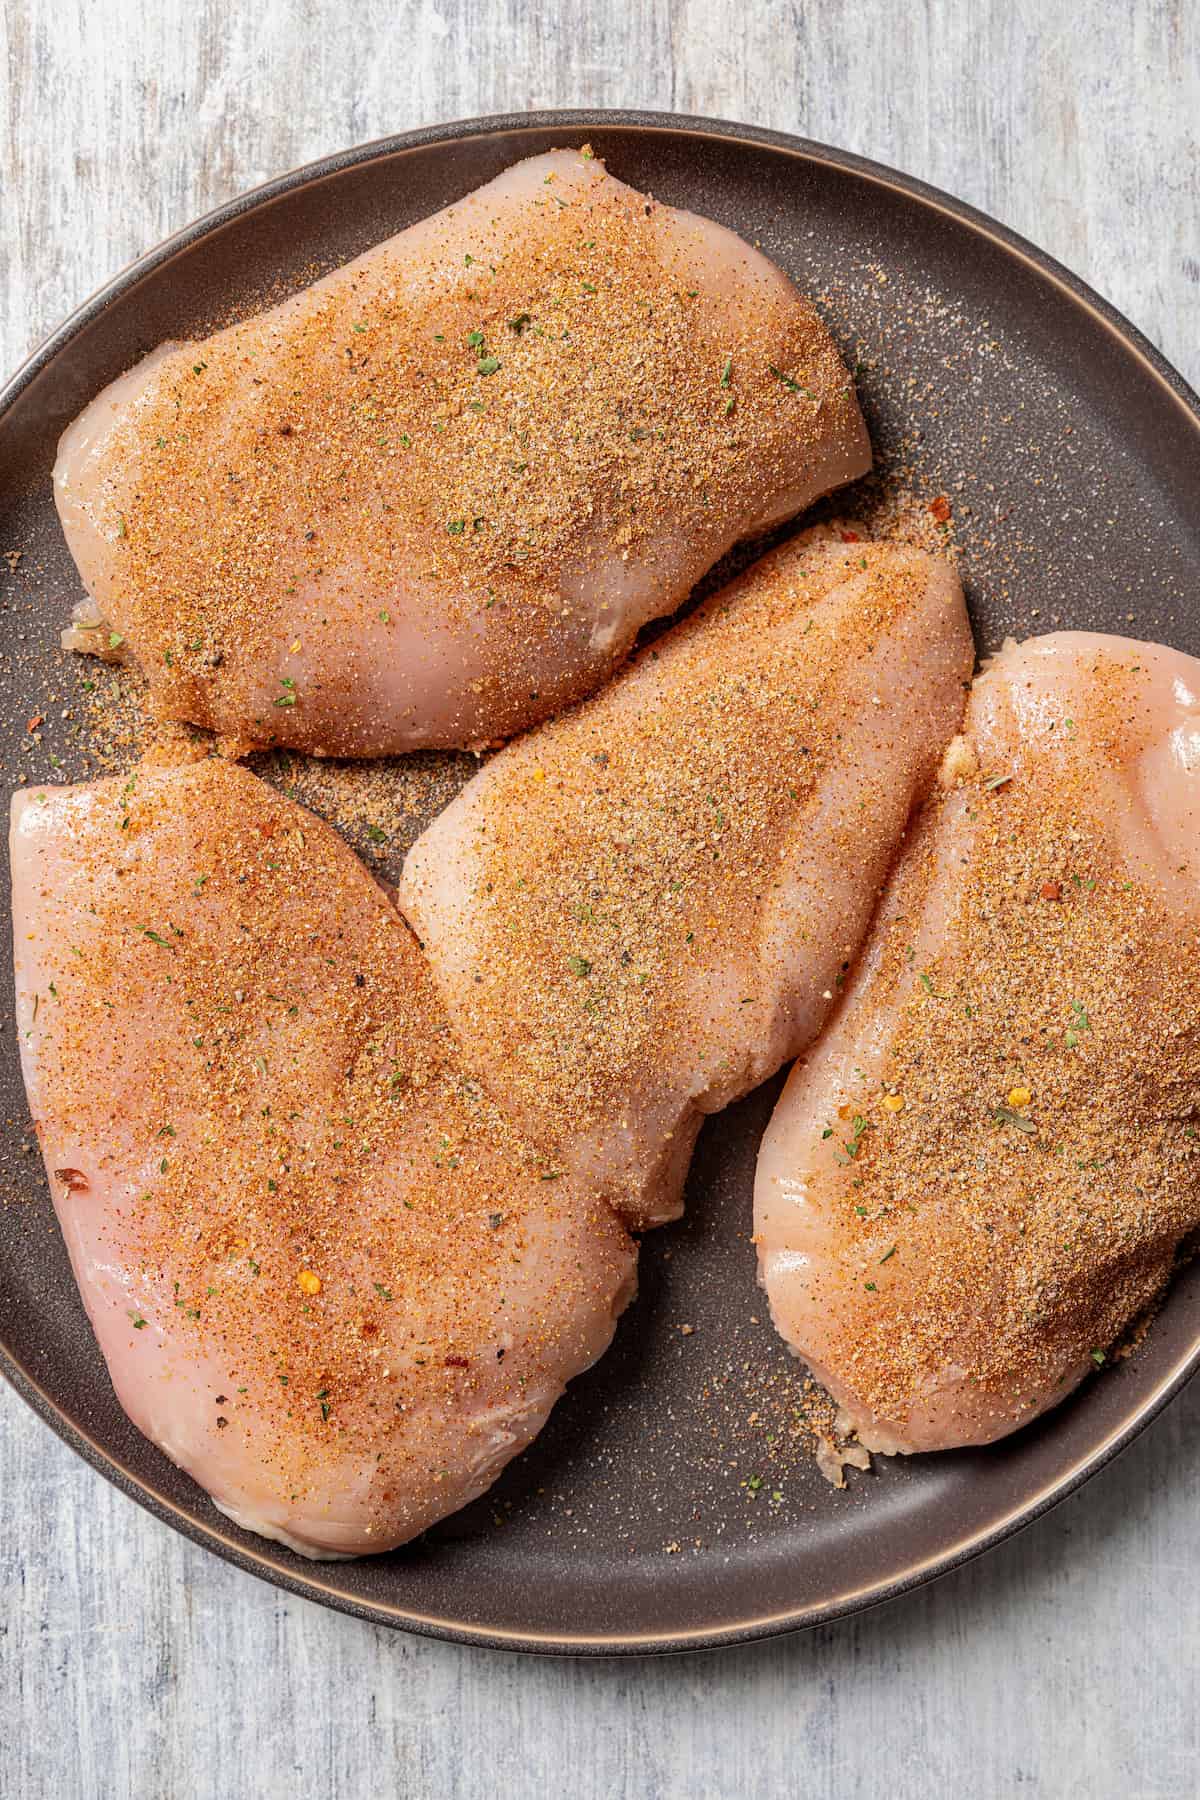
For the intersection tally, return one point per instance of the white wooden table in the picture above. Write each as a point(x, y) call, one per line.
point(1066, 1663)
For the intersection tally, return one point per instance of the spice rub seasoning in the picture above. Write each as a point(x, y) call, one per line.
point(980, 1179)
point(329, 1278)
point(432, 498)
point(638, 912)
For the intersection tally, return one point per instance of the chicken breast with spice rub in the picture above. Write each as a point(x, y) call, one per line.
point(636, 913)
point(329, 1278)
point(979, 1178)
point(431, 499)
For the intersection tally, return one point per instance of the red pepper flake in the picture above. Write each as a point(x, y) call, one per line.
point(941, 509)
point(1051, 890)
point(76, 1180)
point(850, 537)
point(458, 1362)
point(37, 719)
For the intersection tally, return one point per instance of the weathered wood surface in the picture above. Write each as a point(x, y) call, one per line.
point(1066, 1663)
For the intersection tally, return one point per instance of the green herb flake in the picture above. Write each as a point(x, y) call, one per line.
point(1080, 1023)
point(1004, 1115)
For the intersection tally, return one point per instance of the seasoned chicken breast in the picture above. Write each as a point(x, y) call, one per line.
point(328, 1277)
point(431, 499)
point(978, 1178)
point(636, 913)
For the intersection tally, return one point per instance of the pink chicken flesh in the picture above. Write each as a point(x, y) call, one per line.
point(432, 498)
point(978, 1179)
point(637, 912)
point(328, 1277)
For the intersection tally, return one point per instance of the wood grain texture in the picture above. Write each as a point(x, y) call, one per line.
point(1063, 1665)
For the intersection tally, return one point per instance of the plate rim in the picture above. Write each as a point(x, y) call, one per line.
point(312, 1585)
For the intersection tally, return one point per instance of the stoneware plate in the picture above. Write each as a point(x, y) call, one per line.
point(666, 1506)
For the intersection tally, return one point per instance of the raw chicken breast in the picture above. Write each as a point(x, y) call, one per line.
point(328, 1278)
point(431, 499)
point(638, 912)
point(978, 1179)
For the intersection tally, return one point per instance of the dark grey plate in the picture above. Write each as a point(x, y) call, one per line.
point(643, 1518)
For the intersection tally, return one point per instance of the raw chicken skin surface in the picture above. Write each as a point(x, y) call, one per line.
point(978, 1179)
point(328, 1278)
point(638, 912)
point(431, 499)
